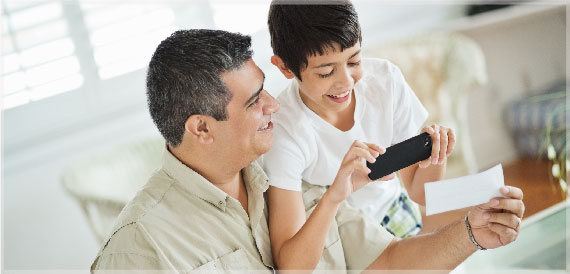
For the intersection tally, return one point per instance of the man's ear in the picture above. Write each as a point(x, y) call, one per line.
point(198, 128)
point(278, 62)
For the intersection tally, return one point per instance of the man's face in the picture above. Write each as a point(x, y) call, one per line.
point(247, 133)
point(329, 79)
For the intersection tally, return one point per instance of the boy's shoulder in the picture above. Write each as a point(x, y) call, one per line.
point(290, 105)
point(374, 66)
point(378, 79)
point(292, 119)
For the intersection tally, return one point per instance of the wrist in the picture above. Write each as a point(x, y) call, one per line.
point(329, 200)
point(470, 234)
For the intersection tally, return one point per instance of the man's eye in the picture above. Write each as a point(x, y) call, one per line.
point(326, 75)
point(254, 102)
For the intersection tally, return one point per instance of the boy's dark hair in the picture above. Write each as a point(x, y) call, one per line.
point(184, 78)
point(301, 30)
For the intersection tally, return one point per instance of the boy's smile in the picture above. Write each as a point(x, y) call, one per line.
point(340, 98)
point(328, 83)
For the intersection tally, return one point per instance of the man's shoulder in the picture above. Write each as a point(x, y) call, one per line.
point(126, 236)
point(132, 242)
point(146, 199)
point(127, 248)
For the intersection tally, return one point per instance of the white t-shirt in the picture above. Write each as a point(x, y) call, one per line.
point(308, 148)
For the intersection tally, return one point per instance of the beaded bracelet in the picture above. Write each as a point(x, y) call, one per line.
point(471, 234)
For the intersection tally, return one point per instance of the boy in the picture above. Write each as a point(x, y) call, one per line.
point(338, 97)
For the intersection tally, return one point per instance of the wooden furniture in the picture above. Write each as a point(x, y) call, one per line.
point(530, 175)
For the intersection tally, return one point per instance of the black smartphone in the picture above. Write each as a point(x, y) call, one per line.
point(401, 155)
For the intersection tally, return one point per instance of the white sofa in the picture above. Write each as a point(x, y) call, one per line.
point(442, 68)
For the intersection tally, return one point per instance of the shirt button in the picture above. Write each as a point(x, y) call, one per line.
point(220, 203)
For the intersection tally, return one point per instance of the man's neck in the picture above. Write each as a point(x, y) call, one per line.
point(221, 175)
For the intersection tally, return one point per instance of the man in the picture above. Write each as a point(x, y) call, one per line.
point(205, 209)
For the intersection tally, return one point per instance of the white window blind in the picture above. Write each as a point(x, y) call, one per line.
point(38, 55)
point(124, 36)
point(232, 16)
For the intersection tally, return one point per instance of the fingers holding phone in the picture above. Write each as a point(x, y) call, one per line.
point(443, 144)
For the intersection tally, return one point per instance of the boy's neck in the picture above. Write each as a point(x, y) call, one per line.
point(342, 120)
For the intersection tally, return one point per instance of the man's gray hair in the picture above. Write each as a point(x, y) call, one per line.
point(184, 77)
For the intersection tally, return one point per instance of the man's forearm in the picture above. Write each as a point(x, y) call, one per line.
point(443, 249)
point(304, 250)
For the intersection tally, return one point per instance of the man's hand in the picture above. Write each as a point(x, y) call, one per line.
point(443, 143)
point(353, 172)
point(497, 222)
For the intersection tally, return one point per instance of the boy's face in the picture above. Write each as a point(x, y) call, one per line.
point(329, 79)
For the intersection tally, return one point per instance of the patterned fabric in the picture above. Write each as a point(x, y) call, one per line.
point(404, 218)
point(534, 119)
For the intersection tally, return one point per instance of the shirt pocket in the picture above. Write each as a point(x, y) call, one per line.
point(333, 253)
point(312, 194)
point(236, 260)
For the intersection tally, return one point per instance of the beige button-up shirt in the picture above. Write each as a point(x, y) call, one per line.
point(180, 221)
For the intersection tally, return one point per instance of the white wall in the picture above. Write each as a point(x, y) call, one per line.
point(43, 227)
point(525, 51)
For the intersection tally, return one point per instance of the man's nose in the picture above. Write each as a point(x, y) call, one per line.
point(272, 105)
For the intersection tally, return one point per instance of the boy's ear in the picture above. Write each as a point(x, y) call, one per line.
point(278, 62)
point(198, 128)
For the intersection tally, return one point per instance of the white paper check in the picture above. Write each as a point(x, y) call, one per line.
point(464, 191)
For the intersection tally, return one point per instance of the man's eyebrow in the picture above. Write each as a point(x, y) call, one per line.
point(330, 64)
point(256, 93)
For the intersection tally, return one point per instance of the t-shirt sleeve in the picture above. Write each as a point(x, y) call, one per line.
point(285, 162)
point(409, 113)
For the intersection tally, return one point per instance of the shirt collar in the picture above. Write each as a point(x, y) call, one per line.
point(255, 177)
point(196, 184)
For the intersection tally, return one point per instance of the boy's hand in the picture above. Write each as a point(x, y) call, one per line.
point(353, 172)
point(443, 142)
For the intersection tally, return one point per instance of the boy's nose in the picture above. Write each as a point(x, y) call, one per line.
point(345, 79)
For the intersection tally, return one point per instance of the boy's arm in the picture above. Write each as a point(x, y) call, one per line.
point(414, 178)
point(432, 169)
point(297, 244)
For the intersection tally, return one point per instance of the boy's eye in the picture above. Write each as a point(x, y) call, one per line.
point(326, 75)
point(355, 63)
